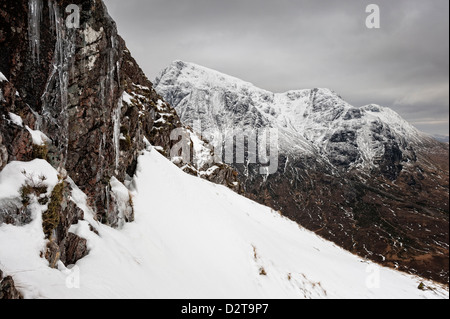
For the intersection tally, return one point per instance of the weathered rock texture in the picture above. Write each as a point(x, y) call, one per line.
point(8, 289)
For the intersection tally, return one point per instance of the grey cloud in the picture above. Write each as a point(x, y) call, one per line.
point(294, 44)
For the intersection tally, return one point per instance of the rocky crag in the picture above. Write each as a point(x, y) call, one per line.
point(71, 94)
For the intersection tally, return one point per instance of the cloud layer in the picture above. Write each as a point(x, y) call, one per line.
point(295, 44)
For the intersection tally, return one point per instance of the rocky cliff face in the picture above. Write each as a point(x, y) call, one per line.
point(74, 96)
point(359, 176)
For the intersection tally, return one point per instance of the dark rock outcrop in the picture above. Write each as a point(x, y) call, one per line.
point(75, 249)
point(70, 87)
point(8, 289)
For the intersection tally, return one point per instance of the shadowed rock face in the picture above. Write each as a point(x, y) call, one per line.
point(69, 88)
point(360, 177)
point(84, 91)
point(8, 289)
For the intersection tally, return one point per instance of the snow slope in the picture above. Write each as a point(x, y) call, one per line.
point(191, 239)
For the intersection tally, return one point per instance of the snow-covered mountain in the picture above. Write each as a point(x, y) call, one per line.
point(362, 177)
point(318, 119)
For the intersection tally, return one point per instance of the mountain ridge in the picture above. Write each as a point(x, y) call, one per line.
point(224, 80)
point(288, 110)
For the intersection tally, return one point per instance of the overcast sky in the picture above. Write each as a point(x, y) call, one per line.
point(297, 44)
